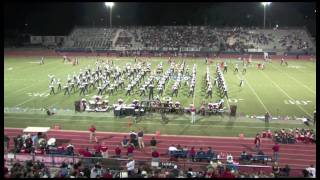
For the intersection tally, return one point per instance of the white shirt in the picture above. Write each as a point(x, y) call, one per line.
point(51, 141)
point(304, 120)
point(312, 170)
point(229, 158)
point(172, 148)
point(130, 165)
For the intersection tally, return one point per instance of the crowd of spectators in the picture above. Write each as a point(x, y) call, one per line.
point(37, 169)
point(82, 169)
point(196, 37)
point(291, 136)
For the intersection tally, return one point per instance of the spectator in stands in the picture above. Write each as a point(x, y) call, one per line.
point(130, 150)
point(96, 171)
point(305, 173)
point(200, 154)
point(285, 171)
point(185, 149)
point(36, 138)
point(125, 142)
point(312, 171)
point(130, 166)
point(107, 174)
point(70, 150)
point(276, 169)
point(191, 154)
point(227, 174)
point(179, 147)
point(190, 173)
point(18, 143)
point(172, 148)
point(85, 153)
point(92, 131)
point(244, 156)
point(153, 142)
point(155, 156)
point(104, 150)
point(63, 170)
point(97, 148)
point(28, 144)
point(210, 152)
point(117, 151)
point(229, 158)
point(276, 149)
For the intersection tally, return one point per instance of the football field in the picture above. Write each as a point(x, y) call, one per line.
point(281, 90)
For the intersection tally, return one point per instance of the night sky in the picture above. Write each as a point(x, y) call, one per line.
point(59, 18)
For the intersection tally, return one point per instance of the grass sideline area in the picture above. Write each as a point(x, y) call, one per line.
point(281, 90)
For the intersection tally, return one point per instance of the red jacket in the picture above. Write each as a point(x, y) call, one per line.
point(227, 174)
point(118, 151)
point(92, 129)
point(104, 148)
point(107, 175)
point(97, 147)
point(155, 154)
point(276, 148)
point(130, 149)
point(192, 152)
point(87, 154)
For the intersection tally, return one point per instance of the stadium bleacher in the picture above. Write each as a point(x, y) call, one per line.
point(191, 37)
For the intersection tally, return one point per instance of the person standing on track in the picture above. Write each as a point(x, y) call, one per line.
point(140, 139)
point(257, 142)
point(275, 149)
point(92, 131)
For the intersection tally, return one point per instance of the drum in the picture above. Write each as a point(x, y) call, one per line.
point(129, 111)
point(117, 111)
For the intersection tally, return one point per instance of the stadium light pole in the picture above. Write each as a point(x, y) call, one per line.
point(264, 12)
point(110, 5)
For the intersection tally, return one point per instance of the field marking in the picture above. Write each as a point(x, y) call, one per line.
point(284, 92)
point(28, 100)
point(185, 118)
point(255, 93)
point(295, 80)
point(122, 133)
point(113, 122)
point(194, 92)
point(26, 87)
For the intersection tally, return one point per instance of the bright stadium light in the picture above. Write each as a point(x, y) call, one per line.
point(264, 15)
point(110, 4)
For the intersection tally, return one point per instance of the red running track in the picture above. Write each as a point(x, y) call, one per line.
point(297, 156)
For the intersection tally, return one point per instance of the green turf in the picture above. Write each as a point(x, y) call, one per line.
point(278, 89)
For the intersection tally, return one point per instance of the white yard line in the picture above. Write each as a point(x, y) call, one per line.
point(29, 100)
point(295, 80)
point(141, 123)
point(255, 93)
point(26, 87)
point(194, 92)
point(285, 93)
